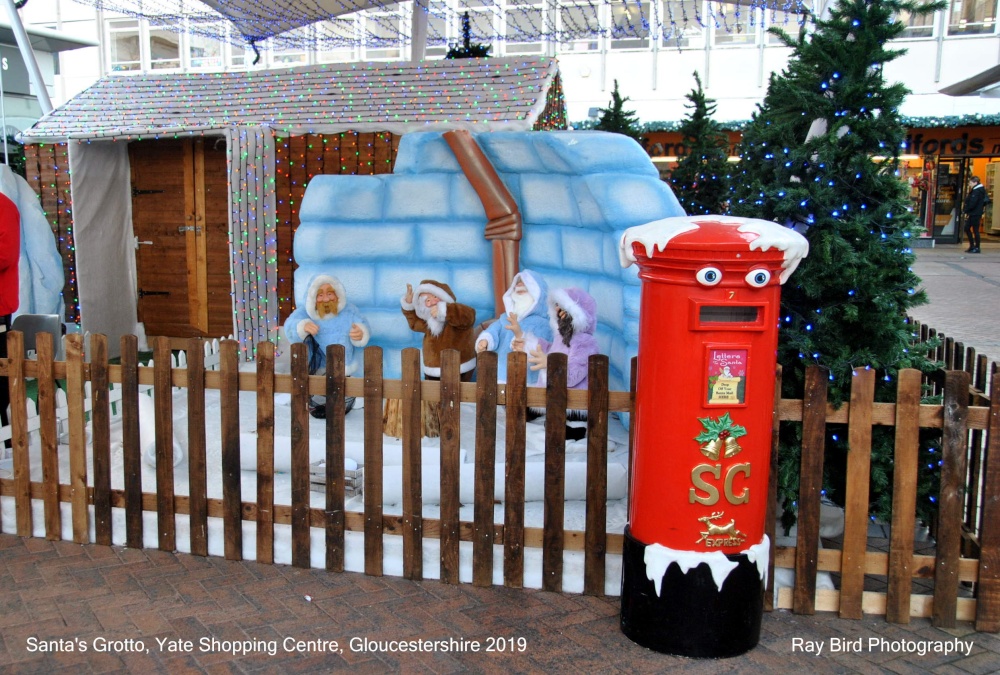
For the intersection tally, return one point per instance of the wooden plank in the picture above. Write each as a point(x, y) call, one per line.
point(555, 472)
point(335, 454)
point(197, 460)
point(48, 435)
point(988, 607)
point(75, 397)
point(953, 471)
point(349, 153)
point(859, 433)
point(265, 452)
point(771, 510)
point(485, 465)
point(131, 452)
point(597, 476)
point(373, 461)
point(977, 452)
point(164, 422)
point(810, 487)
point(904, 495)
point(232, 484)
point(19, 432)
point(515, 451)
point(413, 545)
point(382, 160)
point(301, 548)
point(100, 419)
point(450, 424)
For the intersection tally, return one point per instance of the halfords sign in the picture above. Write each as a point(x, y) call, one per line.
point(958, 141)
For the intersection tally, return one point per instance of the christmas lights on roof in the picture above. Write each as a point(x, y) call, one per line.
point(478, 94)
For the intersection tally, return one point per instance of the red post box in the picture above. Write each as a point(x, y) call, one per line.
point(695, 555)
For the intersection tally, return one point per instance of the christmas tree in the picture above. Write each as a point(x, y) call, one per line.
point(618, 120)
point(822, 155)
point(701, 179)
point(468, 50)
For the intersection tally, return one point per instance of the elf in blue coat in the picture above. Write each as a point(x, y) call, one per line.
point(326, 319)
point(527, 318)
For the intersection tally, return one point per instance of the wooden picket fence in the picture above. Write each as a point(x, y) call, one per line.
point(964, 413)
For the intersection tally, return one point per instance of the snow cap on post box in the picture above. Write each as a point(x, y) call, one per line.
point(726, 233)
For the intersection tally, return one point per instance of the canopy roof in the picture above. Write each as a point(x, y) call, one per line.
point(477, 94)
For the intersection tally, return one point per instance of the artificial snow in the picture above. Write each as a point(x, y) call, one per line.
point(655, 236)
point(658, 558)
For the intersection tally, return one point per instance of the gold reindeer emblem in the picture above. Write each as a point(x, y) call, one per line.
point(728, 534)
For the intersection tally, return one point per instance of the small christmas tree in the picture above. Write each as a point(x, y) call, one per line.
point(468, 50)
point(618, 120)
point(701, 179)
point(810, 159)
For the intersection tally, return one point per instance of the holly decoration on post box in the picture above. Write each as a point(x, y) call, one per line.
point(719, 437)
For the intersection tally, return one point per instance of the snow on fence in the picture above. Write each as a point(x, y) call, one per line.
point(956, 418)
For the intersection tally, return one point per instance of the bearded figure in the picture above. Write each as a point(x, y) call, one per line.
point(326, 318)
point(526, 319)
point(432, 309)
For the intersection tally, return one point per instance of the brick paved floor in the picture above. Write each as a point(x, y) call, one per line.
point(963, 290)
point(96, 596)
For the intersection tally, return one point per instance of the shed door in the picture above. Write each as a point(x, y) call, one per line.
point(179, 215)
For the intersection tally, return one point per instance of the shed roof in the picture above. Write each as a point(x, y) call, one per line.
point(478, 94)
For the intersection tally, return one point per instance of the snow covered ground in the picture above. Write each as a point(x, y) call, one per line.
point(354, 557)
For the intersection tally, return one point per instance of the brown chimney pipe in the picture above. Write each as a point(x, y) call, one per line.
point(503, 226)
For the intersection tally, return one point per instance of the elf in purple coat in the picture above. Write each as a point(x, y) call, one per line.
point(573, 315)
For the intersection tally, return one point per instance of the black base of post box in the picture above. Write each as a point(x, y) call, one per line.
point(690, 616)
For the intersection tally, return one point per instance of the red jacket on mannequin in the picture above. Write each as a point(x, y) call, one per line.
point(10, 253)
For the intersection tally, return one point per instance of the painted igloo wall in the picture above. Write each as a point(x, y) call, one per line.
point(577, 190)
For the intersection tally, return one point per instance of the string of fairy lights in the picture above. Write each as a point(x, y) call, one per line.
point(309, 24)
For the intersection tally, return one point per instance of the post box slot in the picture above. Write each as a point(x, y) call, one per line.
point(728, 314)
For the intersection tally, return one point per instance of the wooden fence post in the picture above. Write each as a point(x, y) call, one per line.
point(373, 461)
point(555, 472)
point(197, 466)
point(451, 429)
point(336, 389)
point(595, 534)
point(100, 419)
point(904, 495)
point(265, 452)
point(300, 456)
point(515, 449)
point(413, 503)
point(852, 580)
point(988, 603)
point(77, 439)
point(953, 472)
point(48, 435)
point(485, 468)
point(164, 417)
point(131, 452)
point(810, 487)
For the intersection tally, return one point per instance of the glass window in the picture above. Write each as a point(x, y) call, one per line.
point(238, 57)
point(525, 24)
point(335, 39)
point(682, 24)
point(382, 36)
point(630, 24)
point(437, 30)
point(124, 45)
point(735, 25)
point(164, 49)
point(204, 52)
point(578, 28)
point(917, 25)
point(971, 17)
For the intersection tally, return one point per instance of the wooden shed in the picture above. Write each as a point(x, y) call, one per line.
point(174, 197)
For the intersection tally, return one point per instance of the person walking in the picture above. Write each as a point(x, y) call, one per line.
point(975, 204)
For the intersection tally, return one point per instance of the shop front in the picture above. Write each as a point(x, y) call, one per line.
point(935, 162)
